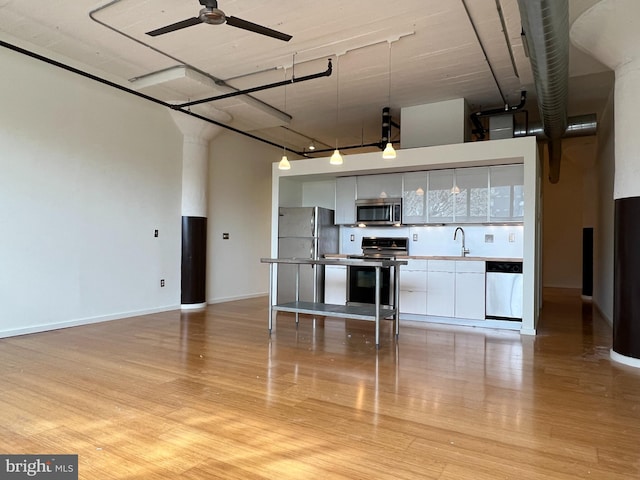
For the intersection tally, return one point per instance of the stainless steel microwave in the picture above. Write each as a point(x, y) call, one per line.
point(379, 211)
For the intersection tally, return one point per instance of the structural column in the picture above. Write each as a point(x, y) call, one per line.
point(195, 168)
point(609, 32)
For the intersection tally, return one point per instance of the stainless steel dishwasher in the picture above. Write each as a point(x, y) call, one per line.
point(504, 290)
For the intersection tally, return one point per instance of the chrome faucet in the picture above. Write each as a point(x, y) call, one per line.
point(465, 251)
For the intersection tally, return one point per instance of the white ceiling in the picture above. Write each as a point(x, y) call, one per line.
point(403, 53)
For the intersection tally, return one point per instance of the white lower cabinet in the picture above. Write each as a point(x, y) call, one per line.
point(413, 287)
point(441, 287)
point(470, 289)
point(335, 284)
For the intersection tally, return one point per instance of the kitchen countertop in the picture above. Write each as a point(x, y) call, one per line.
point(437, 257)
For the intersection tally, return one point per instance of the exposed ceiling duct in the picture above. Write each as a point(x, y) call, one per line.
point(545, 25)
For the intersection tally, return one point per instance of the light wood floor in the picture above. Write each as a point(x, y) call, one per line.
point(209, 395)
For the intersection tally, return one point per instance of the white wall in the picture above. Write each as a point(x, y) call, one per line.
point(603, 271)
point(239, 204)
point(86, 175)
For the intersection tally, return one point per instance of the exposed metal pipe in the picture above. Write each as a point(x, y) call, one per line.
point(545, 25)
point(149, 98)
point(475, 117)
point(484, 52)
point(313, 76)
point(578, 126)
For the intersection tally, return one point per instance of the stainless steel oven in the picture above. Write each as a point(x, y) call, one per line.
point(361, 280)
point(361, 285)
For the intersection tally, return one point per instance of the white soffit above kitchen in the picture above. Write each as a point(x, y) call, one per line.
point(435, 56)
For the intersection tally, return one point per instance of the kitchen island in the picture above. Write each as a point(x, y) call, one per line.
point(374, 312)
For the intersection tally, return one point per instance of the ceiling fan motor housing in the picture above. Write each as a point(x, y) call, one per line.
point(212, 16)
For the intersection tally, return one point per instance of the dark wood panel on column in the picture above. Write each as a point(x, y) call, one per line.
point(626, 304)
point(194, 260)
point(587, 261)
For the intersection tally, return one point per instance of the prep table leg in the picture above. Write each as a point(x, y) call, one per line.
point(396, 299)
point(270, 297)
point(377, 307)
point(297, 292)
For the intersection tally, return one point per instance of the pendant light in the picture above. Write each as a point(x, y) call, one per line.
point(336, 158)
point(284, 161)
point(389, 152)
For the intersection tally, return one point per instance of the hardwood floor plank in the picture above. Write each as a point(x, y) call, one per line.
point(208, 395)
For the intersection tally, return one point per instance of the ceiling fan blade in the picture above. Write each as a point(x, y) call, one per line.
point(175, 26)
point(254, 27)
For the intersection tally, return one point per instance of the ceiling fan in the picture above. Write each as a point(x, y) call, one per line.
point(212, 15)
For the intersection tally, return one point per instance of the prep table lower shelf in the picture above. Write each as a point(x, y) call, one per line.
point(374, 312)
point(330, 310)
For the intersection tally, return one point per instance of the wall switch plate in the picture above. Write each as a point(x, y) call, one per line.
point(488, 238)
point(352, 237)
point(415, 237)
point(512, 237)
point(162, 282)
point(225, 236)
point(155, 233)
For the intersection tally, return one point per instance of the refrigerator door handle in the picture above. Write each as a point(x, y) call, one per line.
point(311, 226)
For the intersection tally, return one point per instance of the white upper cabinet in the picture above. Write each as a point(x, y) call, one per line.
point(471, 195)
point(440, 196)
point(345, 201)
point(379, 186)
point(461, 195)
point(506, 203)
point(414, 198)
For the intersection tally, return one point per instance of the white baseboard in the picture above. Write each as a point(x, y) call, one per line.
point(632, 362)
point(238, 297)
point(14, 332)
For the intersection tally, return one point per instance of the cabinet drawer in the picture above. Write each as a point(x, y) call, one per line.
point(413, 280)
point(470, 266)
point(441, 266)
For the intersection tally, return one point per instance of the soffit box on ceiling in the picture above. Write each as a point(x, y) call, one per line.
point(441, 123)
point(182, 81)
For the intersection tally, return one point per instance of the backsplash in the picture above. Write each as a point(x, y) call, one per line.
point(438, 240)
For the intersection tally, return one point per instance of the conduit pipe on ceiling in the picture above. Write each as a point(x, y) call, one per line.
point(545, 25)
point(109, 83)
point(326, 73)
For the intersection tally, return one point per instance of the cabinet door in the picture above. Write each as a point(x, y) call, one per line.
point(414, 195)
point(440, 197)
point(413, 289)
point(506, 196)
point(335, 284)
point(471, 195)
point(440, 293)
point(470, 288)
point(345, 201)
point(379, 186)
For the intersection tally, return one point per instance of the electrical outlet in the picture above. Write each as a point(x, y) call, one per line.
point(162, 282)
point(225, 236)
point(512, 237)
point(488, 238)
point(155, 233)
point(415, 237)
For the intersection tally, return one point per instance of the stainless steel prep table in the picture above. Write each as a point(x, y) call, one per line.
point(373, 312)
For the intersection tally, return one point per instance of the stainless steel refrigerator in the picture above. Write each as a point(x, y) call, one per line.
point(304, 232)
